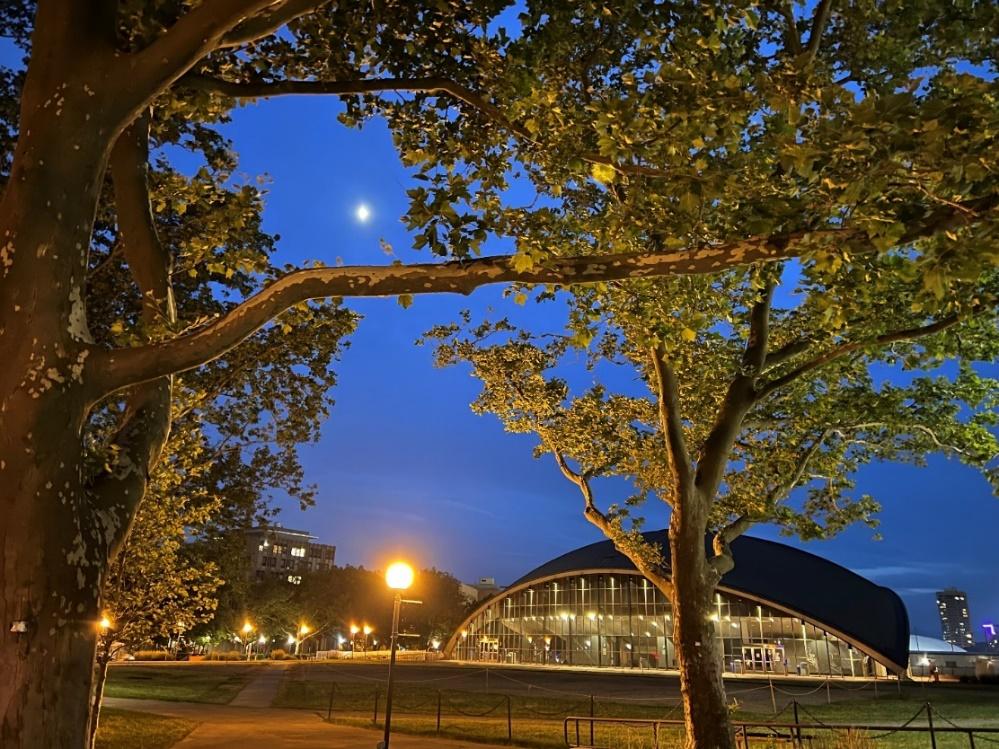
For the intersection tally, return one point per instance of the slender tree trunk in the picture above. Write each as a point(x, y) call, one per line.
point(100, 678)
point(699, 656)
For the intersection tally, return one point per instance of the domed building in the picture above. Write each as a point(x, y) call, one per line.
point(779, 611)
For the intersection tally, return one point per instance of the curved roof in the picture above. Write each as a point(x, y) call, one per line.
point(804, 584)
point(924, 644)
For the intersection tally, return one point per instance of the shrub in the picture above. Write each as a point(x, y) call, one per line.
point(153, 655)
point(225, 655)
point(278, 654)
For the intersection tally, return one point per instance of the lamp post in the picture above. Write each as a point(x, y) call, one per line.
point(399, 577)
point(367, 631)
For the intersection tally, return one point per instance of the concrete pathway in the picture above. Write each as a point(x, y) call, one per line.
point(233, 727)
point(262, 688)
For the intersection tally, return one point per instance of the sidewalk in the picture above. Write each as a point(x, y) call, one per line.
point(233, 727)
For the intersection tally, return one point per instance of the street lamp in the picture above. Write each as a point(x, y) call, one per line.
point(399, 577)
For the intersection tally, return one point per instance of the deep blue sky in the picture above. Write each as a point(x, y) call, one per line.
point(403, 465)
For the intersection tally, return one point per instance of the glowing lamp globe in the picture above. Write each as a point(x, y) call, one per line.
point(247, 628)
point(399, 576)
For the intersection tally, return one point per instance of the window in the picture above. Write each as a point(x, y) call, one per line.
point(298, 551)
point(295, 579)
point(279, 549)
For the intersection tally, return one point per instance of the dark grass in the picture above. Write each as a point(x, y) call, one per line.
point(123, 729)
point(211, 684)
point(537, 720)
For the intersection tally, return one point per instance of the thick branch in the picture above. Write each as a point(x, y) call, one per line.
point(269, 22)
point(819, 21)
point(147, 259)
point(117, 369)
point(842, 350)
point(718, 445)
point(755, 355)
point(193, 36)
point(785, 352)
point(146, 424)
point(791, 28)
point(670, 420)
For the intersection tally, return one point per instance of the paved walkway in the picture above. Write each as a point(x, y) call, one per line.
point(263, 688)
point(233, 727)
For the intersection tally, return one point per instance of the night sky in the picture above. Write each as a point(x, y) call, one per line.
point(404, 466)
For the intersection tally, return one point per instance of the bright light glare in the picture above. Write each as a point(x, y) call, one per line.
point(368, 630)
point(291, 639)
point(399, 576)
point(354, 629)
point(262, 640)
point(105, 622)
point(362, 212)
point(247, 628)
point(303, 630)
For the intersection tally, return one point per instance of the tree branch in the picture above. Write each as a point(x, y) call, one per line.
point(755, 355)
point(194, 35)
point(819, 21)
point(146, 425)
point(670, 420)
point(112, 370)
point(268, 23)
point(793, 40)
point(429, 85)
point(784, 353)
point(847, 348)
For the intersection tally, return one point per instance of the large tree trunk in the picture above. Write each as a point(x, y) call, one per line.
point(699, 656)
point(55, 541)
point(53, 549)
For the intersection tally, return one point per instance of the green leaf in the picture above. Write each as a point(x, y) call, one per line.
point(603, 173)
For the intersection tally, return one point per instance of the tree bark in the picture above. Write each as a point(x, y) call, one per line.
point(699, 655)
point(100, 679)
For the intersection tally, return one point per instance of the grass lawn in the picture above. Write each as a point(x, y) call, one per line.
point(537, 721)
point(214, 684)
point(122, 729)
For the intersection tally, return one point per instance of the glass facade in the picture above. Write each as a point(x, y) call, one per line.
point(622, 620)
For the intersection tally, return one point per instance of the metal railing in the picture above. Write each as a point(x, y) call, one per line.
point(575, 728)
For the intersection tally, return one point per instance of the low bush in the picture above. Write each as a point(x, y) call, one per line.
point(225, 655)
point(278, 654)
point(153, 655)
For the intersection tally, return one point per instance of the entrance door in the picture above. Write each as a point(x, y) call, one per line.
point(762, 658)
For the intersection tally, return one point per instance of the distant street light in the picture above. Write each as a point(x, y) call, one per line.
point(399, 577)
point(247, 629)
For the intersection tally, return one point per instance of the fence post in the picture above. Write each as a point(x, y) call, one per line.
point(655, 736)
point(828, 695)
point(438, 712)
point(971, 739)
point(509, 720)
point(329, 710)
point(378, 693)
point(592, 713)
point(929, 720)
point(875, 688)
point(773, 694)
point(797, 727)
